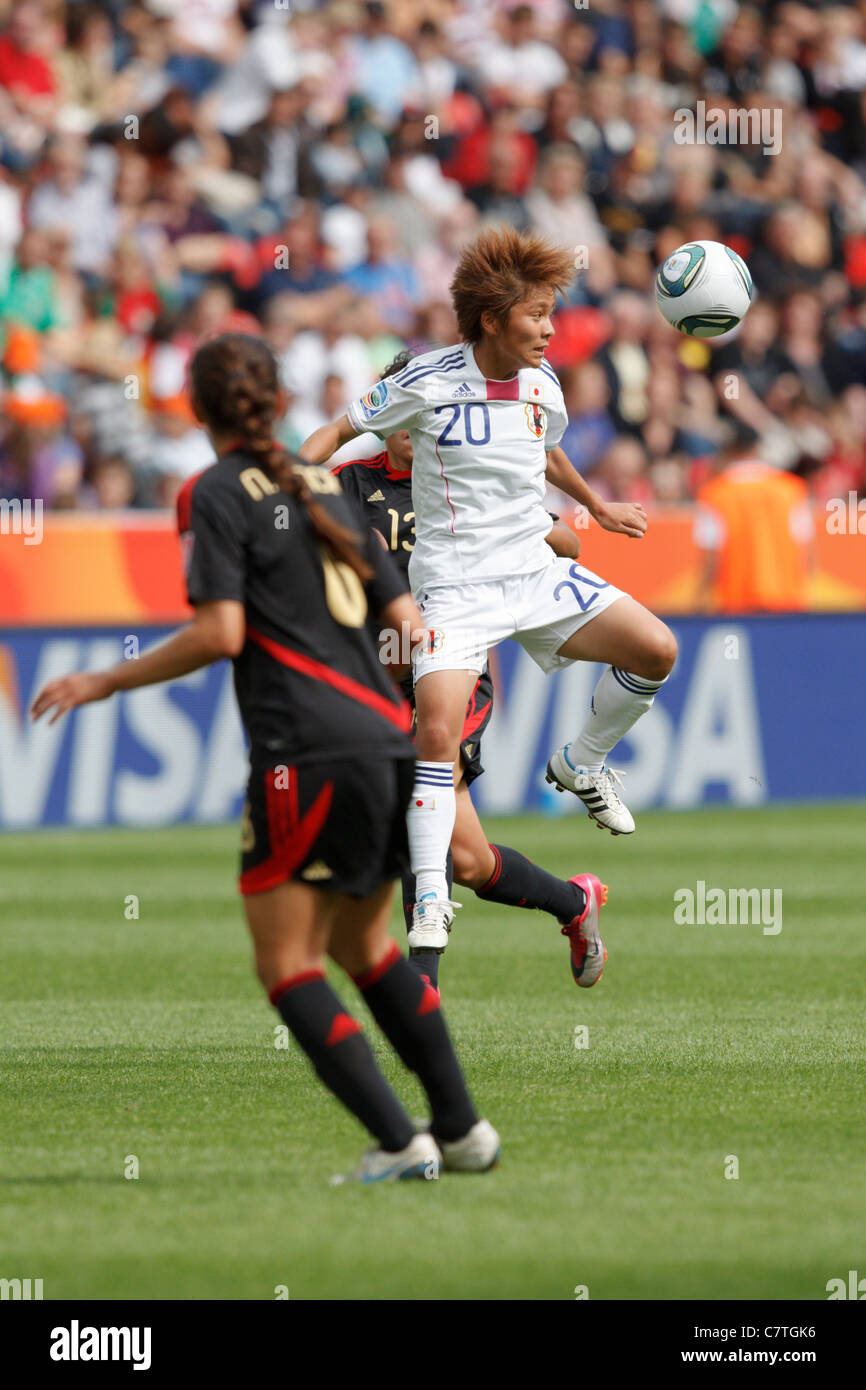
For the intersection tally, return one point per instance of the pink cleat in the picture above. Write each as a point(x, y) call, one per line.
point(588, 954)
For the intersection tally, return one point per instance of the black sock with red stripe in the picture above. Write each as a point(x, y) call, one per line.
point(424, 963)
point(520, 883)
point(341, 1055)
point(407, 1010)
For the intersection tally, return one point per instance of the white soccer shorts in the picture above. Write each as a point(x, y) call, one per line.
point(540, 610)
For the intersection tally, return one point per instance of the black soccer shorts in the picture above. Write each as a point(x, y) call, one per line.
point(478, 712)
point(333, 824)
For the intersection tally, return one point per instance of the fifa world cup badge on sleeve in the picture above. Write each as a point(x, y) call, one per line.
point(375, 400)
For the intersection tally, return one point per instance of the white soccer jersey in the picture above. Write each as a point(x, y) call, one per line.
point(479, 459)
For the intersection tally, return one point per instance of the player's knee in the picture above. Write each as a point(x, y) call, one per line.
point(436, 741)
point(667, 652)
point(658, 657)
point(274, 969)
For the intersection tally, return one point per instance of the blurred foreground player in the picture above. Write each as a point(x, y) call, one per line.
point(382, 488)
point(280, 582)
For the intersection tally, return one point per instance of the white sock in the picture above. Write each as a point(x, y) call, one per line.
point(430, 819)
point(618, 702)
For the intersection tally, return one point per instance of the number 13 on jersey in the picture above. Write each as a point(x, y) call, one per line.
point(394, 542)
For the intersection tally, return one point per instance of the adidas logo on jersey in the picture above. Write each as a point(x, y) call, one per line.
point(317, 870)
point(377, 496)
point(464, 389)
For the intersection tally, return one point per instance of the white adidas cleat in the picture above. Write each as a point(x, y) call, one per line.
point(597, 791)
point(431, 923)
point(475, 1152)
point(421, 1158)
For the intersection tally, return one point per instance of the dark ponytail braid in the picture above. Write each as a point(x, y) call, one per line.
point(235, 381)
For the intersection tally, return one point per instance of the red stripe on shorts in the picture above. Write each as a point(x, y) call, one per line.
point(292, 837)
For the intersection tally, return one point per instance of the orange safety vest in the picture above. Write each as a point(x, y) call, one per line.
point(760, 563)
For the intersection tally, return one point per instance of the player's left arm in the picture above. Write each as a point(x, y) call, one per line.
point(628, 518)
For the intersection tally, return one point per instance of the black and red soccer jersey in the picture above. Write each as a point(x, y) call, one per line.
point(309, 682)
point(384, 496)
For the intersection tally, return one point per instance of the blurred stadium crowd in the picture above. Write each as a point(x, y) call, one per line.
point(310, 171)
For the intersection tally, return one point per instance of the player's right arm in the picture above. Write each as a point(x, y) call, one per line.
point(388, 406)
point(217, 630)
point(215, 580)
point(327, 439)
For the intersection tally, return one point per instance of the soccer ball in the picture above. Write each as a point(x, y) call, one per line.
point(704, 289)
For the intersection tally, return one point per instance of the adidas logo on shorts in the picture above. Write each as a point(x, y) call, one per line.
point(316, 871)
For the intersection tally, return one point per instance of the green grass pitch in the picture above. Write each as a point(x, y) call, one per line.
point(151, 1038)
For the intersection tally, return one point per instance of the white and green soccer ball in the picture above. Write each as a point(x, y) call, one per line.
point(704, 289)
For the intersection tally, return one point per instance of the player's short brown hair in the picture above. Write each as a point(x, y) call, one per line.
point(495, 272)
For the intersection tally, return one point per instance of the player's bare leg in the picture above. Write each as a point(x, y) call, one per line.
point(473, 856)
point(408, 1012)
point(628, 636)
point(291, 926)
point(360, 937)
point(440, 704)
point(441, 697)
point(639, 651)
